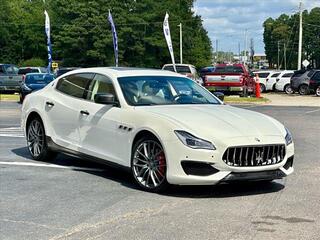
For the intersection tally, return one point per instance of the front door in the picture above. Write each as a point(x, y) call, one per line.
point(100, 132)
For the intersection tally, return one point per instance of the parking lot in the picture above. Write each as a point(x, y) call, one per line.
point(74, 199)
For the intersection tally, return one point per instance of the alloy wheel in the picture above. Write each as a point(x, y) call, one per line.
point(149, 164)
point(318, 92)
point(35, 138)
point(303, 90)
point(288, 89)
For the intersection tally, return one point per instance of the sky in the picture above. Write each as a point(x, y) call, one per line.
point(226, 20)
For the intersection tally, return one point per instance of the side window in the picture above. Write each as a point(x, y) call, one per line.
point(1, 70)
point(9, 70)
point(75, 85)
point(316, 76)
point(287, 75)
point(100, 84)
point(275, 75)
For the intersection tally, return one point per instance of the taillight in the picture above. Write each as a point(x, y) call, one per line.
point(312, 81)
point(23, 78)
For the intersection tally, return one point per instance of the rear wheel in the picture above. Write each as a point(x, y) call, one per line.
point(148, 165)
point(288, 89)
point(318, 91)
point(303, 89)
point(36, 139)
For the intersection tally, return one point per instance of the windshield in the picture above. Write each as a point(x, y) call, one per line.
point(162, 90)
point(39, 79)
point(228, 69)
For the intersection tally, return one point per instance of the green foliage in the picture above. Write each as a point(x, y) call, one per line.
point(81, 33)
point(38, 62)
point(285, 31)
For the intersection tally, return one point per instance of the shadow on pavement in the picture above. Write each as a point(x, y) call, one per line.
point(124, 178)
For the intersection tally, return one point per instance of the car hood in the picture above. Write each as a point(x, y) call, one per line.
point(220, 121)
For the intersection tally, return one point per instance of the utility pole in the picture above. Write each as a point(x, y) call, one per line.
point(300, 37)
point(180, 25)
point(239, 52)
point(217, 50)
point(278, 55)
point(245, 44)
point(285, 56)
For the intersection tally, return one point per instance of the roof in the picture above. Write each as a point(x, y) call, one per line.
point(126, 71)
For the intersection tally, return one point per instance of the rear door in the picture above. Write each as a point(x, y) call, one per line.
point(63, 108)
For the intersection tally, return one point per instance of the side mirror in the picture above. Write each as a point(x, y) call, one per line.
point(219, 95)
point(105, 98)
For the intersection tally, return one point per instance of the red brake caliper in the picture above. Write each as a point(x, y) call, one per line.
point(162, 161)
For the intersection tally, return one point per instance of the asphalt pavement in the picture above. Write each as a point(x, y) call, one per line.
point(75, 199)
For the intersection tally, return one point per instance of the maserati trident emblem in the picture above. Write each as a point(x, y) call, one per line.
point(257, 139)
point(259, 158)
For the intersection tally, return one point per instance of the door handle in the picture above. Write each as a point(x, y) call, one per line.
point(50, 104)
point(84, 112)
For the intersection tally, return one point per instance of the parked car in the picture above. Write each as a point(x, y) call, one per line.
point(283, 82)
point(230, 78)
point(300, 81)
point(64, 70)
point(34, 82)
point(271, 81)
point(185, 69)
point(263, 75)
point(314, 83)
point(9, 78)
point(25, 70)
point(147, 121)
point(204, 71)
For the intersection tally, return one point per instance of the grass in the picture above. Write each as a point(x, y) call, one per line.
point(9, 97)
point(233, 99)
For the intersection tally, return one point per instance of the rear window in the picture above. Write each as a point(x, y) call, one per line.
point(229, 69)
point(24, 71)
point(38, 79)
point(310, 73)
point(180, 69)
point(263, 75)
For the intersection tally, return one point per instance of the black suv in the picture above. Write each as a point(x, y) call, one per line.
point(314, 84)
point(300, 81)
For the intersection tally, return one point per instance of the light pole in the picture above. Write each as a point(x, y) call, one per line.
point(180, 26)
point(300, 37)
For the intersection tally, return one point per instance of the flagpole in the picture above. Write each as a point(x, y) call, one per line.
point(167, 35)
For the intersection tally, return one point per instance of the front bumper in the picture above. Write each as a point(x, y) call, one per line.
point(177, 153)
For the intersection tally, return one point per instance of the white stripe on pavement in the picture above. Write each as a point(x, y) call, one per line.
point(317, 110)
point(12, 132)
point(50, 166)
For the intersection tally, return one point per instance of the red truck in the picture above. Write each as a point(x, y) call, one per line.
point(230, 78)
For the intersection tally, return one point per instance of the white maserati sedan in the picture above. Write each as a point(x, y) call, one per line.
point(163, 127)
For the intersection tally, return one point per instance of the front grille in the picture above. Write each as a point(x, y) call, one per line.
point(251, 156)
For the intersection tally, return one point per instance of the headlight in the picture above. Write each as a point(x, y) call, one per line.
point(288, 137)
point(192, 141)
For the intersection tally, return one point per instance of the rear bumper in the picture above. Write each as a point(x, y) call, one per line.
point(224, 88)
point(10, 88)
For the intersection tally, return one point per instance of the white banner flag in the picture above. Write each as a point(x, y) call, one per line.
point(166, 31)
point(48, 33)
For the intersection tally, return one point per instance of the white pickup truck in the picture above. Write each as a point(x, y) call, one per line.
point(10, 81)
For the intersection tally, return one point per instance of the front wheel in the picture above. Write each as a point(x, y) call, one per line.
point(318, 91)
point(149, 165)
point(36, 139)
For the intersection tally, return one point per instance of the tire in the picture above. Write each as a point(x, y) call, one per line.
point(274, 88)
point(262, 88)
point(304, 89)
point(318, 91)
point(148, 165)
point(36, 139)
point(288, 89)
